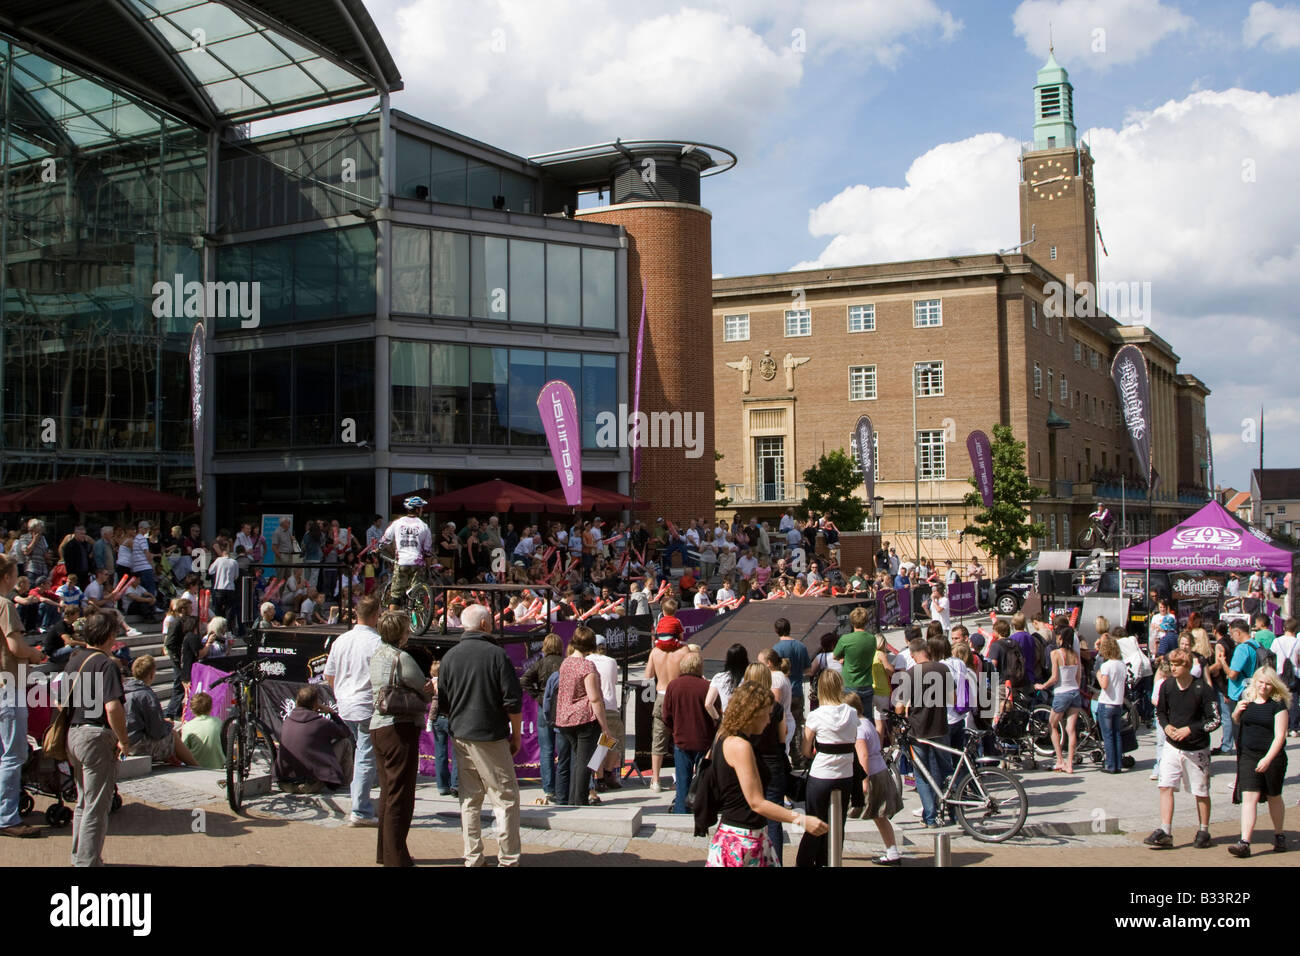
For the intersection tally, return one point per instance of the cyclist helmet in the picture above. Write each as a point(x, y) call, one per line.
point(414, 503)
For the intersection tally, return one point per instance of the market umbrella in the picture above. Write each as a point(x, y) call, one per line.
point(493, 495)
point(94, 494)
point(599, 499)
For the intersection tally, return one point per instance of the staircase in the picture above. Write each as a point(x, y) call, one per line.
point(151, 642)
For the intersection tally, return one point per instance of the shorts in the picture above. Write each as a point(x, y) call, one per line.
point(734, 846)
point(163, 749)
point(883, 798)
point(661, 742)
point(617, 730)
point(1268, 783)
point(1064, 702)
point(403, 577)
point(1190, 767)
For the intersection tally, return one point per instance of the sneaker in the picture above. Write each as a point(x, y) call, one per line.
point(356, 820)
point(936, 825)
point(887, 861)
point(22, 831)
point(1159, 839)
point(1154, 776)
point(655, 788)
point(134, 632)
point(444, 793)
point(1279, 842)
point(1202, 839)
point(1240, 849)
point(918, 813)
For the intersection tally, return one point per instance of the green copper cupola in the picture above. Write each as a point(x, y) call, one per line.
point(1053, 107)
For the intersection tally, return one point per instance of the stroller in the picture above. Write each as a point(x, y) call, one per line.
point(52, 778)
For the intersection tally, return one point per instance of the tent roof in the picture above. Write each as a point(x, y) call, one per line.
point(95, 495)
point(1213, 539)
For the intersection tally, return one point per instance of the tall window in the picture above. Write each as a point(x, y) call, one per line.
point(927, 313)
point(1095, 360)
point(1033, 315)
point(930, 451)
point(1049, 384)
point(1065, 531)
point(1051, 528)
point(798, 322)
point(769, 462)
point(1038, 380)
point(862, 382)
point(929, 379)
point(1065, 389)
point(1053, 252)
point(1078, 351)
point(735, 328)
point(862, 318)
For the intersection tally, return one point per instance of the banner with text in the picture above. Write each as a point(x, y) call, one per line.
point(1129, 373)
point(981, 459)
point(559, 411)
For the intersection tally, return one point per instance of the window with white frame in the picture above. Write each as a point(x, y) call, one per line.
point(1033, 315)
point(862, 382)
point(927, 313)
point(862, 318)
point(1053, 252)
point(1065, 531)
point(1096, 359)
point(931, 454)
point(1065, 389)
point(1038, 380)
point(1049, 384)
point(933, 526)
point(798, 322)
point(929, 379)
point(1047, 326)
point(735, 328)
point(1078, 351)
point(1051, 528)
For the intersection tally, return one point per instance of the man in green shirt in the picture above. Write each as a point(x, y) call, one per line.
point(203, 734)
point(1263, 635)
point(857, 651)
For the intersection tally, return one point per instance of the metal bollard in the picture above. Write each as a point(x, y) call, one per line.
point(835, 856)
point(942, 849)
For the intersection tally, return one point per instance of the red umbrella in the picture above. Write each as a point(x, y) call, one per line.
point(601, 499)
point(493, 495)
point(94, 494)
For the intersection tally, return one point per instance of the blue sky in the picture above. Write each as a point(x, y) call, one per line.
point(874, 130)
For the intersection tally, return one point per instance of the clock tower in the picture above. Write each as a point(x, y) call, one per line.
point(1057, 200)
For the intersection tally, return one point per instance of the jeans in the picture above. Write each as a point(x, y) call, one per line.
point(776, 793)
point(866, 695)
point(444, 764)
point(684, 764)
point(13, 753)
point(147, 581)
point(936, 764)
point(815, 851)
point(572, 778)
point(1109, 720)
point(365, 775)
point(546, 739)
point(1226, 707)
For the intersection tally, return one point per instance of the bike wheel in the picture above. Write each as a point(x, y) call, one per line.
point(420, 601)
point(1089, 538)
point(233, 739)
point(1040, 729)
point(991, 806)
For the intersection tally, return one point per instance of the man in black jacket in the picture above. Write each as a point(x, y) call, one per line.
point(1188, 711)
point(479, 692)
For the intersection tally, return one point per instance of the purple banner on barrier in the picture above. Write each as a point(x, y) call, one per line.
point(963, 598)
point(559, 411)
point(894, 607)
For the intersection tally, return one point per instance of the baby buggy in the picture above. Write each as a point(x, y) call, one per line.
point(52, 778)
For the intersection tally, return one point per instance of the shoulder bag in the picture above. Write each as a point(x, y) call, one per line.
point(395, 699)
point(55, 742)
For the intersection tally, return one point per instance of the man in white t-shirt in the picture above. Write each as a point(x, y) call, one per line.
point(347, 672)
point(413, 542)
point(747, 566)
point(225, 571)
point(95, 598)
point(937, 605)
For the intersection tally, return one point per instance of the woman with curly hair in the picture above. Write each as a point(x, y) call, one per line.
point(740, 778)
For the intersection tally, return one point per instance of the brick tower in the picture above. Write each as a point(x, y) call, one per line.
point(654, 190)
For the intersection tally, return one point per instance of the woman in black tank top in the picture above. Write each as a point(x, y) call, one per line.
point(741, 837)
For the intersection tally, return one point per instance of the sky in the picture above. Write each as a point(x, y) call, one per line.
point(879, 130)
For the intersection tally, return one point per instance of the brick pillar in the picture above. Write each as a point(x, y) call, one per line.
point(670, 249)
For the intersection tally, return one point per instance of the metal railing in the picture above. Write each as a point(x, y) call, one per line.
point(767, 492)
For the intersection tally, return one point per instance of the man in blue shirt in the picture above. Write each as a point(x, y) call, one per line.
point(1244, 661)
point(1167, 627)
point(794, 652)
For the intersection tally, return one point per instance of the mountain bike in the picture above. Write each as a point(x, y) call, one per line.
point(418, 597)
point(989, 804)
point(1088, 731)
point(249, 743)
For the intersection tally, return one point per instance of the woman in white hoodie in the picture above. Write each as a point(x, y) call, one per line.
point(833, 728)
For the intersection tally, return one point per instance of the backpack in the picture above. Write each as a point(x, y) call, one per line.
point(1043, 661)
point(702, 797)
point(962, 699)
point(1013, 663)
point(550, 696)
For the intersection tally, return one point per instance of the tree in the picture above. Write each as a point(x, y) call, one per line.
point(832, 490)
point(719, 487)
point(1005, 530)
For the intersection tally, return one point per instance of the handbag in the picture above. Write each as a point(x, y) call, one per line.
point(55, 742)
point(396, 699)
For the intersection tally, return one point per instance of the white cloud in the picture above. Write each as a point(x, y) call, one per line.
point(959, 198)
point(532, 77)
point(1096, 34)
point(1278, 28)
point(1196, 197)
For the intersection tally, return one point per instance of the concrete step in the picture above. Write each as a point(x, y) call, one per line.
point(605, 821)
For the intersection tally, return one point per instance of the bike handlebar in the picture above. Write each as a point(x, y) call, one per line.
point(250, 670)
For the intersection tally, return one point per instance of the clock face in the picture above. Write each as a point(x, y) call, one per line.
point(1050, 179)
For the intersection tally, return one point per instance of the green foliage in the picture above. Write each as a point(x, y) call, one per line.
point(1005, 530)
point(833, 484)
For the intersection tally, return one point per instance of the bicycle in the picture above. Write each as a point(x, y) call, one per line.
point(249, 743)
point(418, 596)
point(989, 804)
point(1088, 731)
